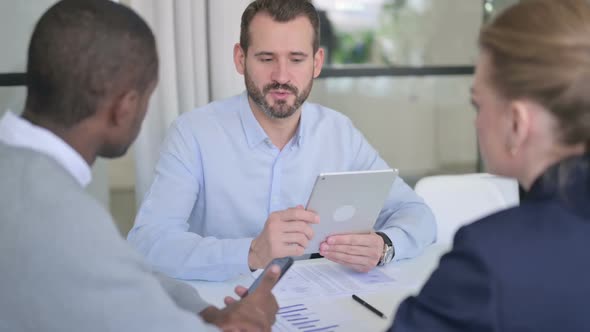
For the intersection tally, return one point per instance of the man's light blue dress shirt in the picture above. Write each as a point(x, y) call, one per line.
point(219, 177)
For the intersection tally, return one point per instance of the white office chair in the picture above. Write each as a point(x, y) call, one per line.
point(457, 200)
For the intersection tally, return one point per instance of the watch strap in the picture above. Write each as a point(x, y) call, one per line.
point(387, 246)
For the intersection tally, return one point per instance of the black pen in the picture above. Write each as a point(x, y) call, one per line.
point(368, 306)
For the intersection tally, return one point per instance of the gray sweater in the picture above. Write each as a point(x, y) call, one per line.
point(64, 266)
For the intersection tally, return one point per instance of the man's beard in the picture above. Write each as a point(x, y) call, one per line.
point(280, 109)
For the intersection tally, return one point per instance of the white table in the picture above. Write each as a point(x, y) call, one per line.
point(413, 272)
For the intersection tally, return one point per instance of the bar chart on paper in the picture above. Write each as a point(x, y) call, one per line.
point(313, 297)
point(298, 317)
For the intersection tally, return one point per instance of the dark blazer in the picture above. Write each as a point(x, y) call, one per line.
point(523, 269)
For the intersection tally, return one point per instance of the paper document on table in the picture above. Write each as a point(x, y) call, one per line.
point(327, 279)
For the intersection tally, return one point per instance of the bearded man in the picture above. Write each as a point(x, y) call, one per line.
point(233, 176)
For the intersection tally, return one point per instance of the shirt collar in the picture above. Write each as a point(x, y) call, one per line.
point(300, 129)
point(252, 129)
point(254, 132)
point(16, 131)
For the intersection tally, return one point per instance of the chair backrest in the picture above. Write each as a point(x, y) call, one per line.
point(457, 200)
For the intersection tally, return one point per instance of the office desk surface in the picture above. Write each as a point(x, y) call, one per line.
point(412, 274)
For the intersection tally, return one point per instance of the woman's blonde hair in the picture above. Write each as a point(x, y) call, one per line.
point(540, 49)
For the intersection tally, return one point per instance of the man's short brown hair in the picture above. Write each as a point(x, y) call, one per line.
point(280, 11)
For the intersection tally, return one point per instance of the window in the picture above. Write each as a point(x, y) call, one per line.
point(401, 70)
point(400, 32)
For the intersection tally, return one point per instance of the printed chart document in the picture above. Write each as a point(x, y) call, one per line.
point(312, 297)
point(328, 279)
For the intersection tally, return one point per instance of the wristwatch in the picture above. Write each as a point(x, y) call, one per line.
point(388, 249)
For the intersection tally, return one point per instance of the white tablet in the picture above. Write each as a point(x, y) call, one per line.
point(348, 202)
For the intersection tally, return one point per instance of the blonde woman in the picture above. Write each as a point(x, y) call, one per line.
point(526, 268)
